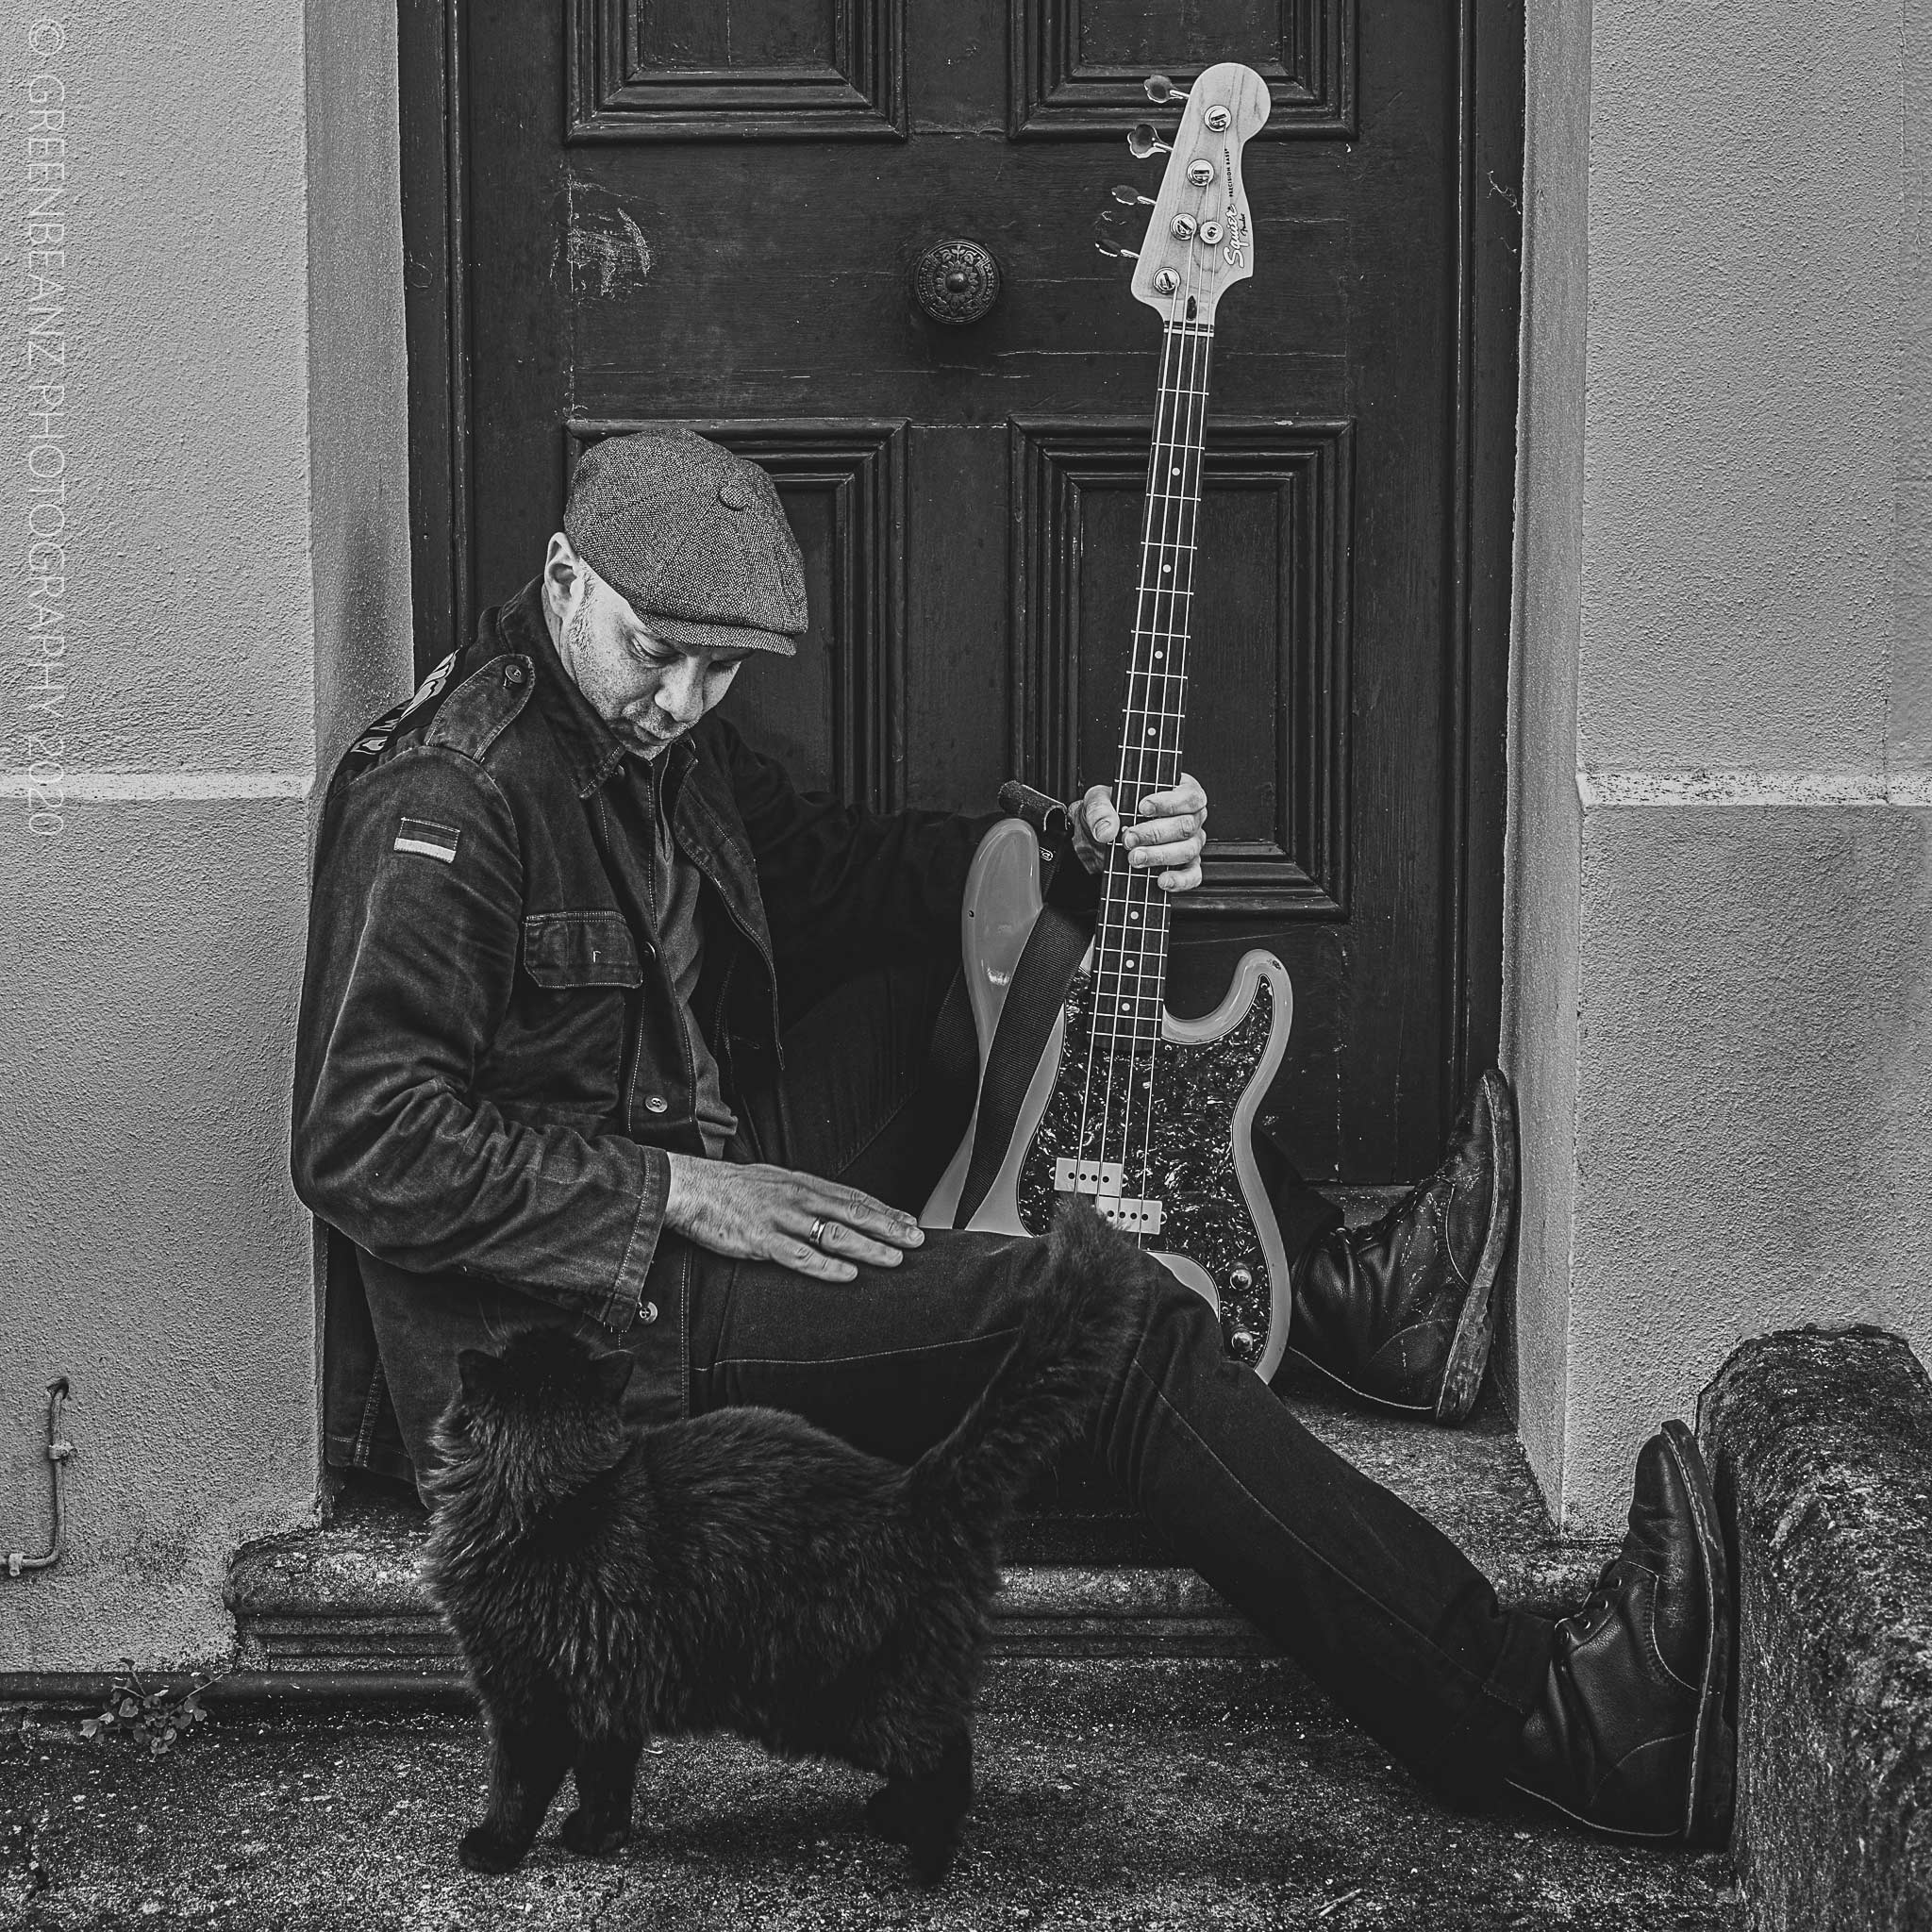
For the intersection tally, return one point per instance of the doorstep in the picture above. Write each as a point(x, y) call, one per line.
point(342, 1608)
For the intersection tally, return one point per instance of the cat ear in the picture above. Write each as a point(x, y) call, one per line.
point(475, 1372)
point(610, 1374)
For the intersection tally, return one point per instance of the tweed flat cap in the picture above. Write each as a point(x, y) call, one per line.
point(693, 537)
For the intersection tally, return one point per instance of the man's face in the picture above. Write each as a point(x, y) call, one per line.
point(646, 688)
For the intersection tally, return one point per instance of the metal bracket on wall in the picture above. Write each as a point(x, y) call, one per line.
point(57, 1453)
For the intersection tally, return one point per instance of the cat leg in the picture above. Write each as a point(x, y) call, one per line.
point(531, 1757)
point(606, 1770)
point(925, 1809)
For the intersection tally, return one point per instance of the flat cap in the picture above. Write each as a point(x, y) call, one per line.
point(693, 537)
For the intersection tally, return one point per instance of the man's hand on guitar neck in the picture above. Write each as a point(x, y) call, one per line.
point(1169, 831)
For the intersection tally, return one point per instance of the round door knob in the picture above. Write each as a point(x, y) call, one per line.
point(955, 281)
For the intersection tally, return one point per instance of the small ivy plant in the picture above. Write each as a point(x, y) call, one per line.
point(157, 1715)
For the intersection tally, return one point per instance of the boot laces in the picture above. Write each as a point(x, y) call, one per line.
point(1590, 1615)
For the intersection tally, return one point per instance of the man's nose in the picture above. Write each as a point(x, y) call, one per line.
point(681, 695)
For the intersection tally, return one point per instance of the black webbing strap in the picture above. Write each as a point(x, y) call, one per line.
point(1034, 999)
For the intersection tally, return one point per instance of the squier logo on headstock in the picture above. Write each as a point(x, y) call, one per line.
point(1149, 1116)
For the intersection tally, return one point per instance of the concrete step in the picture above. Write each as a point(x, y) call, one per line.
point(1084, 1578)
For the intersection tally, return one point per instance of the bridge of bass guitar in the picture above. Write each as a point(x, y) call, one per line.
point(1191, 1192)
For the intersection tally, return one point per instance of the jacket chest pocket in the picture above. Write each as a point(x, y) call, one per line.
point(564, 951)
point(562, 1045)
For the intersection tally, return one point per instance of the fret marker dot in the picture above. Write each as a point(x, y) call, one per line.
point(1165, 568)
point(1125, 1004)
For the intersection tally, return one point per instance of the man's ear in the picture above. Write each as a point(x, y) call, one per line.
point(566, 578)
point(475, 1372)
point(611, 1374)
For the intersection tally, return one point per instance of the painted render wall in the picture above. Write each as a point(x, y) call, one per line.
point(1720, 1012)
point(236, 587)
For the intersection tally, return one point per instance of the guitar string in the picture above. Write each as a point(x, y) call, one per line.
point(1176, 634)
point(1121, 884)
point(1111, 1001)
point(1189, 501)
point(1142, 1033)
point(1169, 351)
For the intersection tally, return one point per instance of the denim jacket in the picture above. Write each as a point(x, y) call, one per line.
point(491, 1065)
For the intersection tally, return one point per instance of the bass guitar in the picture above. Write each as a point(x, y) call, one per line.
point(1149, 1115)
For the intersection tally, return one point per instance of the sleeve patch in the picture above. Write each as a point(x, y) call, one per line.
point(431, 840)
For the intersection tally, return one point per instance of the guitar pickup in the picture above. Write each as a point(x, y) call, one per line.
point(1071, 1176)
point(1104, 1179)
point(1131, 1217)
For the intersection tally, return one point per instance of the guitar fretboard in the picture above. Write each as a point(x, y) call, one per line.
point(1130, 942)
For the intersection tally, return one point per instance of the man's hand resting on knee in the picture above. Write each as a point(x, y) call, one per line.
point(767, 1214)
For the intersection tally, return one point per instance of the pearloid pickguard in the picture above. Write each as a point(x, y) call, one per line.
point(1193, 1170)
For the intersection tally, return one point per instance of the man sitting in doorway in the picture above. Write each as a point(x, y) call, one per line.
point(605, 1024)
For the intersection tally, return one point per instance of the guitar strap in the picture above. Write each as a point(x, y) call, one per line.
point(1034, 1000)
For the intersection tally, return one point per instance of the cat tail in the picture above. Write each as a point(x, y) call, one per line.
point(1078, 1328)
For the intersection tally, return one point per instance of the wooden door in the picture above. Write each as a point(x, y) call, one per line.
point(708, 211)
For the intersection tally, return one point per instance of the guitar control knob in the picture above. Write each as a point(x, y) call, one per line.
point(1241, 1280)
point(1242, 1342)
point(955, 282)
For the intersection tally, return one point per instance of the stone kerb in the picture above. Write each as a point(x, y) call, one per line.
point(1820, 1442)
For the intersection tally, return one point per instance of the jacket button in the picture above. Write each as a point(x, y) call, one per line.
point(648, 1313)
point(513, 674)
point(656, 1102)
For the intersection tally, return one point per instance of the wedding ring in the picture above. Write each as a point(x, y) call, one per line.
point(818, 1232)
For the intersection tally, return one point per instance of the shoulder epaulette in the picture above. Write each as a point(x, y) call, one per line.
point(401, 723)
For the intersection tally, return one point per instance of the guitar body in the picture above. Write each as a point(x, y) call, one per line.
point(1217, 1231)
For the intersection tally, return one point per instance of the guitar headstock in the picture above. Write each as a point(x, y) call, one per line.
point(1200, 239)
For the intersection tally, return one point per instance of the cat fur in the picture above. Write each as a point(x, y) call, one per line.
point(743, 1570)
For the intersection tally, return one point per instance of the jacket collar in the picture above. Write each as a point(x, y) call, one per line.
point(591, 749)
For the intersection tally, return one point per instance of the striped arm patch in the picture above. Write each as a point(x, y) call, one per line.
point(431, 840)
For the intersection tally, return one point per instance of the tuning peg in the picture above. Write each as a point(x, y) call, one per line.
point(1130, 196)
point(1143, 139)
point(1104, 235)
point(1161, 88)
point(1114, 251)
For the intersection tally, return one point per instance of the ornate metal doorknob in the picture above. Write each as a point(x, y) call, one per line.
point(955, 281)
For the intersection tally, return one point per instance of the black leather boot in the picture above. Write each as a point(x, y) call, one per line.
point(1401, 1312)
point(1629, 1734)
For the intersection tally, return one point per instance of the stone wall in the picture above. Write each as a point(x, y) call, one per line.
point(1820, 1444)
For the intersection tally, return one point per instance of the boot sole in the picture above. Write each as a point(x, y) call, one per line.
point(1469, 1351)
point(1707, 1803)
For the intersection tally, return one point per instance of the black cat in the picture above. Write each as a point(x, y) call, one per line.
point(744, 1571)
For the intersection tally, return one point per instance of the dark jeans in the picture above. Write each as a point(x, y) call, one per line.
point(1381, 1609)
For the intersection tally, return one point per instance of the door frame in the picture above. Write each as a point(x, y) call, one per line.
point(434, 70)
